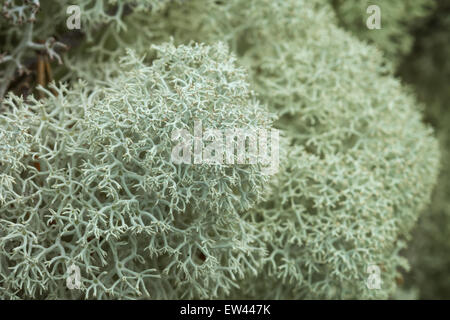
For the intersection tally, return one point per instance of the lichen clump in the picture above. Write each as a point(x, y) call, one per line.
point(86, 176)
point(87, 179)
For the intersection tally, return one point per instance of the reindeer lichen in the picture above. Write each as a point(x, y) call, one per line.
point(87, 179)
point(362, 164)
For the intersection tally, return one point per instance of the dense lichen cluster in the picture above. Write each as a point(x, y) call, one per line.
point(86, 176)
point(398, 19)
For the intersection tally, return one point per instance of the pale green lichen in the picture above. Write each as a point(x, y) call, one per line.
point(357, 167)
point(362, 165)
point(398, 18)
